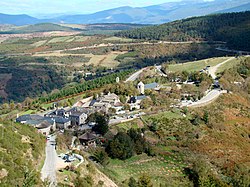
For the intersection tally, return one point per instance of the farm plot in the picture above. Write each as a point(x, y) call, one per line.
point(62, 39)
point(196, 65)
point(107, 60)
point(113, 39)
point(159, 168)
point(39, 43)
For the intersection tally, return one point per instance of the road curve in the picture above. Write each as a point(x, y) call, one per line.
point(207, 99)
point(135, 75)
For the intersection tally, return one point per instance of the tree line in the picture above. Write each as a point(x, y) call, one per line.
point(88, 85)
point(232, 28)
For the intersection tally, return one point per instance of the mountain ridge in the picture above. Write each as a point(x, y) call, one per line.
point(154, 14)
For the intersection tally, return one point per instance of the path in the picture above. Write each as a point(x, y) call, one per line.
point(49, 167)
point(104, 45)
point(212, 70)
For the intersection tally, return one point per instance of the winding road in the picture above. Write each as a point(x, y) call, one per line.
point(135, 75)
point(49, 168)
point(212, 94)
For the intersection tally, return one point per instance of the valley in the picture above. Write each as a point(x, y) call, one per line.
point(128, 105)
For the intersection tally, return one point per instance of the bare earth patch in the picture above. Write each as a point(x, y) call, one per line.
point(25, 139)
point(3, 173)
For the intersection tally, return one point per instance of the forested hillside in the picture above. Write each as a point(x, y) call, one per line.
point(233, 28)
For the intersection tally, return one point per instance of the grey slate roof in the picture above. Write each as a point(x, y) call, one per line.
point(88, 136)
point(150, 86)
point(29, 117)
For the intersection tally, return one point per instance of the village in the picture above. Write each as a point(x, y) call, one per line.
point(75, 118)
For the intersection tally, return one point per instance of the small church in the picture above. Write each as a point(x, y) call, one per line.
point(142, 87)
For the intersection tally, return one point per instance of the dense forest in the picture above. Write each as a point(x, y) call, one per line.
point(232, 28)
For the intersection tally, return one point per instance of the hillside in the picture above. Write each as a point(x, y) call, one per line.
point(156, 14)
point(232, 28)
point(21, 150)
point(17, 19)
point(41, 27)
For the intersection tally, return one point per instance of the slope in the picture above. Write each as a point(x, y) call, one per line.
point(41, 27)
point(21, 149)
point(17, 19)
point(229, 27)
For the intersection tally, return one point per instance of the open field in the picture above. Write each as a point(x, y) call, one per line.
point(196, 65)
point(39, 43)
point(107, 60)
point(112, 39)
point(158, 168)
point(104, 60)
point(231, 63)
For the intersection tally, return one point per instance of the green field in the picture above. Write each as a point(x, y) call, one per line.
point(113, 39)
point(159, 168)
point(196, 65)
point(231, 63)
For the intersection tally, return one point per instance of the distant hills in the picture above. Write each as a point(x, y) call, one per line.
point(48, 27)
point(18, 19)
point(156, 14)
point(233, 28)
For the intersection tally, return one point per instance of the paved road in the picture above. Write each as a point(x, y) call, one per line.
point(207, 99)
point(49, 167)
point(158, 68)
point(234, 51)
point(212, 70)
point(134, 76)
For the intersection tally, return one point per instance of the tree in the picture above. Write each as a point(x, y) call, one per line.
point(101, 121)
point(102, 157)
point(206, 117)
point(120, 147)
point(132, 182)
point(145, 181)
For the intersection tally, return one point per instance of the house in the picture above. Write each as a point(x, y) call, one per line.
point(61, 122)
point(100, 106)
point(142, 87)
point(77, 117)
point(135, 101)
point(85, 103)
point(56, 113)
point(88, 139)
point(110, 98)
point(45, 128)
point(24, 118)
point(42, 124)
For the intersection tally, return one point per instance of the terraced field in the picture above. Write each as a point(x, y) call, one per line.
point(159, 168)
